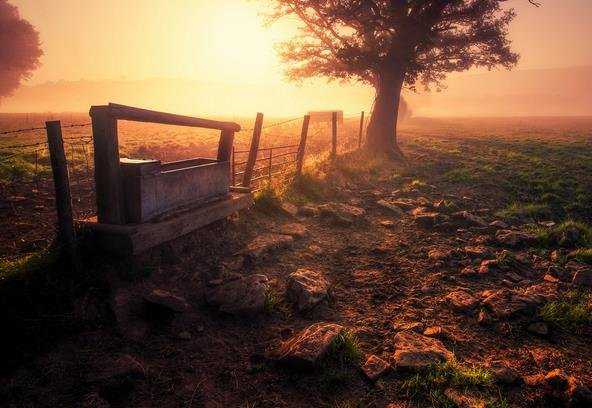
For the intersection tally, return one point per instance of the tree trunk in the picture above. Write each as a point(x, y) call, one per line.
point(382, 128)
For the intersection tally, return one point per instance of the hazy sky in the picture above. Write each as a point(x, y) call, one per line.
point(224, 41)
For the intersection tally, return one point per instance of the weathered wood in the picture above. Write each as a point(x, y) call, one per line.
point(61, 181)
point(253, 151)
point(302, 145)
point(144, 115)
point(134, 239)
point(334, 135)
point(225, 146)
point(361, 130)
point(108, 185)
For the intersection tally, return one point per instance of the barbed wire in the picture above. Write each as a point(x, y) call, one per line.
point(9, 132)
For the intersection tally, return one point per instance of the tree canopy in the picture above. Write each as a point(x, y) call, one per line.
point(20, 50)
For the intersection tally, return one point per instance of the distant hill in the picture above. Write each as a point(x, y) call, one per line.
point(548, 92)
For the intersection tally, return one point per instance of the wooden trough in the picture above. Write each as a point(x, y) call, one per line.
point(143, 203)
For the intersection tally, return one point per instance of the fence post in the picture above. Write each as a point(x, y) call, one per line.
point(61, 181)
point(110, 204)
point(334, 134)
point(302, 145)
point(233, 166)
point(361, 130)
point(225, 146)
point(270, 161)
point(254, 149)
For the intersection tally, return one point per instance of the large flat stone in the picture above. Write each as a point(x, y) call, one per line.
point(266, 243)
point(244, 296)
point(306, 348)
point(307, 288)
point(416, 351)
point(341, 214)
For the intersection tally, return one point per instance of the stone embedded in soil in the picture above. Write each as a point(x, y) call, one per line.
point(123, 367)
point(94, 400)
point(503, 304)
point(440, 254)
point(437, 332)
point(468, 218)
point(391, 207)
point(416, 351)
point(167, 300)
point(265, 243)
point(499, 224)
point(243, 296)
point(127, 308)
point(461, 400)
point(308, 210)
point(387, 223)
point(374, 367)
point(461, 301)
point(583, 277)
point(294, 229)
point(306, 348)
point(514, 239)
point(488, 266)
point(427, 218)
point(477, 251)
point(504, 375)
point(341, 214)
point(289, 209)
point(484, 318)
point(538, 328)
point(307, 288)
point(578, 394)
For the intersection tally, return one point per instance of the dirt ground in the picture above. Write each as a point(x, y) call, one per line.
point(388, 273)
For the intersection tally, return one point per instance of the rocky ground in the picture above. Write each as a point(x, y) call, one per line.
point(372, 288)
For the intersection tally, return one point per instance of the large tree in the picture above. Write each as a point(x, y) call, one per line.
point(392, 44)
point(20, 49)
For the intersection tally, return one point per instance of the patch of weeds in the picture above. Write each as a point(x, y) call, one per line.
point(305, 188)
point(345, 404)
point(461, 175)
point(267, 200)
point(18, 168)
point(432, 382)
point(532, 211)
point(27, 264)
point(359, 164)
point(570, 313)
point(568, 234)
point(583, 255)
point(505, 259)
point(346, 348)
point(272, 301)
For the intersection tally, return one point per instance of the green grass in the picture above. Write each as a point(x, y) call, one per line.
point(570, 313)
point(20, 168)
point(583, 255)
point(528, 211)
point(346, 348)
point(432, 382)
point(27, 264)
point(568, 234)
point(267, 200)
point(460, 175)
point(272, 301)
point(308, 187)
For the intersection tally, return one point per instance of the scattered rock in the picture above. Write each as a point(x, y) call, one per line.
point(393, 208)
point(341, 214)
point(306, 348)
point(440, 254)
point(468, 271)
point(461, 301)
point(374, 367)
point(307, 288)
point(289, 209)
point(414, 326)
point(405, 203)
point(538, 328)
point(315, 249)
point(426, 218)
point(243, 296)
point(94, 400)
point(578, 394)
point(499, 224)
point(488, 266)
point(436, 332)
point(462, 400)
point(167, 300)
point(484, 318)
point(308, 211)
point(127, 308)
point(415, 351)
point(387, 224)
point(505, 375)
point(514, 239)
point(583, 277)
point(556, 380)
point(295, 230)
point(503, 303)
point(468, 218)
point(266, 243)
point(123, 367)
point(479, 251)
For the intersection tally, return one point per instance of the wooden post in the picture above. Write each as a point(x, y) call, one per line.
point(110, 204)
point(225, 146)
point(61, 181)
point(270, 164)
point(254, 149)
point(334, 134)
point(361, 130)
point(233, 166)
point(302, 145)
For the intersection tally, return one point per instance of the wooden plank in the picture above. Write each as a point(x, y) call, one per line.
point(225, 146)
point(248, 174)
point(61, 181)
point(144, 115)
point(134, 239)
point(110, 205)
point(302, 146)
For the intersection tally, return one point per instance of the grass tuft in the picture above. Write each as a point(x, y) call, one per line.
point(267, 200)
point(569, 313)
point(27, 264)
point(583, 255)
point(346, 348)
point(568, 234)
point(528, 211)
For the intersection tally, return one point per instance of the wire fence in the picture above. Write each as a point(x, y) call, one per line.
point(27, 195)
